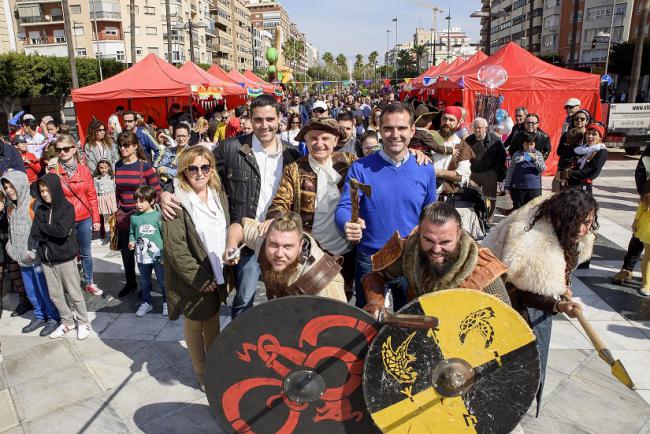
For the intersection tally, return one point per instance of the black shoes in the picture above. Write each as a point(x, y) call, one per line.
point(34, 325)
point(50, 326)
point(128, 288)
point(22, 309)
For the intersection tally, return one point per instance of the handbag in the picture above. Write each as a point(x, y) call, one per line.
point(112, 223)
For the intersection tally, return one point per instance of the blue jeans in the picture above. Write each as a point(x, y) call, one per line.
point(36, 290)
point(397, 286)
point(84, 236)
point(247, 273)
point(145, 280)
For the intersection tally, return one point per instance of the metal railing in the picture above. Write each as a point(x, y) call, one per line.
point(41, 19)
point(44, 40)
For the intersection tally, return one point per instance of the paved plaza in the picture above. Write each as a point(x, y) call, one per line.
point(134, 374)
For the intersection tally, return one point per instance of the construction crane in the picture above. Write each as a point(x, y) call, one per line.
point(434, 10)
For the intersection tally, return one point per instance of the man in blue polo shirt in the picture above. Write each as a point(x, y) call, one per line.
point(400, 190)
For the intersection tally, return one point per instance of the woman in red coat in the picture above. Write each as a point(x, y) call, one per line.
point(79, 190)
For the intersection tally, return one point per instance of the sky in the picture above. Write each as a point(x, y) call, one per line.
point(359, 26)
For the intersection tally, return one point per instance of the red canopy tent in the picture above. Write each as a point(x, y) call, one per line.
point(216, 71)
point(251, 76)
point(251, 86)
point(431, 72)
point(233, 93)
point(533, 83)
point(149, 86)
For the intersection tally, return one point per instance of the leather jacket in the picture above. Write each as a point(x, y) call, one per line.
point(240, 175)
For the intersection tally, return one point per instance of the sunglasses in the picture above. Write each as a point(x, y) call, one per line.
point(580, 119)
point(295, 123)
point(319, 110)
point(531, 123)
point(569, 106)
point(193, 170)
point(124, 145)
point(102, 129)
point(65, 149)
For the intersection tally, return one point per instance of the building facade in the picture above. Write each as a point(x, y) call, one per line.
point(271, 16)
point(262, 40)
point(551, 32)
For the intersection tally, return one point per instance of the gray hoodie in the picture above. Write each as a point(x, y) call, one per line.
point(20, 220)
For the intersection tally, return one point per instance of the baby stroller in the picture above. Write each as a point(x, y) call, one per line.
point(470, 203)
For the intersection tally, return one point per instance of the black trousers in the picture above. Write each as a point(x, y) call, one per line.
point(633, 254)
point(128, 258)
point(521, 196)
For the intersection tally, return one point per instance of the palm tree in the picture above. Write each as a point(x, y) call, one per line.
point(328, 58)
point(292, 49)
point(404, 62)
point(359, 67)
point(420, 51)
point(372, 60)
point(342, 63)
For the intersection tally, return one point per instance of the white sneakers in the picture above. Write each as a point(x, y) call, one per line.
point(60, 331)
point(144, 309)
point(165, 309)
point(83, 331)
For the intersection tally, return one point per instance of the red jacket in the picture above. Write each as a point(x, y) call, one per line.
point(32, 166)
point(80, 191)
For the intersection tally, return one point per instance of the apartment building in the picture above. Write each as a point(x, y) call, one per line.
point(262, 40)
point(553, 26)
point(101, 28)
point(7, 35)
point(233, 46)
point(271, 16)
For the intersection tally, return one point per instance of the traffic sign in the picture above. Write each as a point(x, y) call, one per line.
point(606, 78)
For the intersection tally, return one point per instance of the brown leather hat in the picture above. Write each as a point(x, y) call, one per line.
point(328, 125)
point(424, 111)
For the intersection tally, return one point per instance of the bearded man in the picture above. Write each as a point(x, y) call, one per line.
point(453, 165)
point(437, 255)
point(291, 262)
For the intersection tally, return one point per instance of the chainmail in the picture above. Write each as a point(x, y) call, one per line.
point(498, 289)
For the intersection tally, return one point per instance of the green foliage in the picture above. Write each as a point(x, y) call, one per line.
point(328, 58)
point(620, 59)
point(406, 66)
point(292, 49)
point(204, 66)
point(342, 62)
point(419, 51)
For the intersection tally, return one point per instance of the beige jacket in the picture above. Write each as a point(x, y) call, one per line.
point(334, 289)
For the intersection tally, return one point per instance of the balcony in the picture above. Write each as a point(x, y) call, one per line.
point(106, 15)
point(45, 40)
point(211, 28)
point(37, 1)
point(104, 37)
point(41, 19)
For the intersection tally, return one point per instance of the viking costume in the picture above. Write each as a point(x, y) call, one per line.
point(476, 268)
point(316, 274)
point(537, 274)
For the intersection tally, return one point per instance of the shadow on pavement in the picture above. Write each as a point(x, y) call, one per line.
point(176, 417)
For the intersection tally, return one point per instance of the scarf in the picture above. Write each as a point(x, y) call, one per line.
point(70, 167)
point(587, 151)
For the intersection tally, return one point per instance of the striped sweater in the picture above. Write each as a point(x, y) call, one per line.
point(128, 177)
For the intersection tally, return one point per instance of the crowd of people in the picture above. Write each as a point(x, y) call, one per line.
point(304, 195)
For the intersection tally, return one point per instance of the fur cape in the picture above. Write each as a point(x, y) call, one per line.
point(534, 257)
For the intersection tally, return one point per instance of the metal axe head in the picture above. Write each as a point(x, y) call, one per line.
point(365, 188)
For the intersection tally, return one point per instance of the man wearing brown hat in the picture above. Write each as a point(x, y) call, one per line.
point(311, 186)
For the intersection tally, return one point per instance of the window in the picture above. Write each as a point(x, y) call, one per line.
point(552, 20)
point(111, 31)
point(137, 9)
point(549, 41)
point(75, 9)
point(59, 36)
point(81, 52)
point(152, 30)
point(77, 29)
point(138, 51)
point(119, 55)
point(127, 29)
point(149, 10)
point(152, 50)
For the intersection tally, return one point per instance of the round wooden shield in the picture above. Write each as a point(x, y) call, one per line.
point(477, 372)
point(292, 365)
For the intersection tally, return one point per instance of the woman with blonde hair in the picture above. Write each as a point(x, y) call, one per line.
point(197, 236)
point(373, 124)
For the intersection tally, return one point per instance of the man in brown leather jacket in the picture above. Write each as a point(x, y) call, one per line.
point(437, 255)
point(290, 260)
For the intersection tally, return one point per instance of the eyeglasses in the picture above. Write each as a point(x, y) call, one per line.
point(64, 149)
point(319, 110)
point(124, 145)
point(101, 130)
point(129, 121)
point(531, 123)
point(194, 170)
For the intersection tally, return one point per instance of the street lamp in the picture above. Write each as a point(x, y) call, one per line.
point(395, 52)
point(448, 18)
point(489, 15)
point(387, 48)
point(190, 26)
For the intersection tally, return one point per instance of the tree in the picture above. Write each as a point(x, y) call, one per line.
point(292, 50)
point(372, 60)
point(359, 68)
point(420, 52)
point(620, 59)
point(328, 58)
point(405, 64)
point(342, 64)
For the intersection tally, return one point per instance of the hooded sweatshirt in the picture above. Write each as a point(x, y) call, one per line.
point(20, 219)
point(53, 228)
